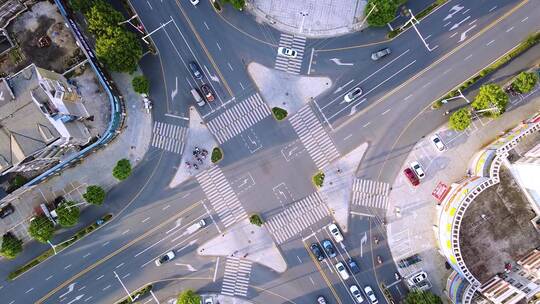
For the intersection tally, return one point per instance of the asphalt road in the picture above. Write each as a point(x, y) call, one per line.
point(391, 116)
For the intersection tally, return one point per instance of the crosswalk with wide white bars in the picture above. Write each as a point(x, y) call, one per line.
point(297, 217)
point(169, 137)
point(317, 142)
point(370, 193)
point(291, 65)
point(236, 277)
point(221, 196)
point(238, 118)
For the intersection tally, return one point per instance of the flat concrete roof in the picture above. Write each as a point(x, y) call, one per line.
point(496, 229)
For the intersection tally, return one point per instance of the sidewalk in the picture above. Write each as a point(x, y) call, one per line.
point(95, 169)
point(310, 18)
point(412, 211)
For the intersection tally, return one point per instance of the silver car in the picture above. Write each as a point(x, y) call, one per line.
point(380, 54)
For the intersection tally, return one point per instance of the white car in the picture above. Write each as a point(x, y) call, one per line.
point(194, 2)
point(208, 300)
point(417, 278)
point(437, 142)
point(371, 295)
point(165, 258)
point(356, 293)
point(283, 51)
point(418, 170)
point(352, 95)
point(334, 231)
point(342, 271)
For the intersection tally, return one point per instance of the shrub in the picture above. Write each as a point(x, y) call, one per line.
point(256, 220)
point(189, 297)
point(68, 213)
point(11, 246)
point(137, 294)
point(460, 120)
point(279, 113)
point(217, 155)
point(140, 84)
point(41, 229)
point(422, 297)
point(238, 4)
point(525, 82)
point(384, 12)
point(318, 179)
point(94, 195)
point(82, 6)
point(122, 170)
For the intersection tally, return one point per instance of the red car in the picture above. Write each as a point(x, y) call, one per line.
point(411, 177)
point(207, 92)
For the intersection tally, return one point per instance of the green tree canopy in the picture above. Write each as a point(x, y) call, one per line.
point(490, 96)
point(94, 195)
point(384, 12)
point(41, 229)
point(119, 49)
point(122, 170)
point(11, 246)
point(82, 6)
point(68, 213)
point(525, 82)
point(189, 297)
point(460, 120)
point(140, 84)
point(238, 4)
point(422, 297)
point(101, 17)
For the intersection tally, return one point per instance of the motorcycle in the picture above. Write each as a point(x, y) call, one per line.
point(379, 259)
point(376, 240)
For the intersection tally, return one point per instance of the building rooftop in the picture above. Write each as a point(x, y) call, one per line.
point(497, 229)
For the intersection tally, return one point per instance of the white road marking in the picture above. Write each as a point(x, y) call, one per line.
point(383, 113)
point(119, 265)
point(216, 269)
point(166, 207)
point(29, 290)
point(447, 24)
point(347, 137)
point(299, 260)
point(464, 34)
point(65, 268)
point(470, 23)
point(468, 57)
point(149, 5)
point(426, 38)
point(492, 9)
point(49, 277)
point(145, 220)
point(311, 280)
point(100, 277)
point(106, 287)
point(86, 255)
point(82, 288)
point(489, 43)
point(123, 233)
point(242, 86)
point(230, 66)
point(206, 25)
point(367, 124)
point(218, 46)
point(524, 19)
point(310, 61)
point(126, 275)
point(454, 34)
point(105, 244)
point(510, 29)
point(409, 96)
point(176, 116)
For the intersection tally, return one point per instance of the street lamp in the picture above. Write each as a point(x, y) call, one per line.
point(413, 22)
point(126, 290)
point(456, 97)
point(53, 246)
point(303, 18)
point(129, 21)
point(373, 8)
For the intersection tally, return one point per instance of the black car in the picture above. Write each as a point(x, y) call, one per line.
point(329, 248)
point(317, 252)
point(195, 70)
point(354, 266)
point(409, 261)
point(6, 210)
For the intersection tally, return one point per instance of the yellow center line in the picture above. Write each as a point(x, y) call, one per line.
point(322, 273)
point(205, 49)
point(106, 258)
point(488, 27)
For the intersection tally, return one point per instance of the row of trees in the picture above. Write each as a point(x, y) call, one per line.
point(492, 100)
point(117, 47)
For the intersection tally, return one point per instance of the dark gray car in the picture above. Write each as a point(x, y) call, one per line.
point(380, 54)
point(195, 70)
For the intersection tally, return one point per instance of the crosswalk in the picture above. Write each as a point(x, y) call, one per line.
point(370, 193)
point(291, 65)
point(221, 196)
point(236, 277)
point(238, 118)
point(317, 142)
point(297, 217)
point(168, 137)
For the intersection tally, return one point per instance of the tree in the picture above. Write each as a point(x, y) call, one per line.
point(491, 96)
point(119, 49)
point(122, 170)
point(101, 17)
point(238, 4)
point(41, 229)
point(94, 195)
point(189, 297)
point(525, 82)
point(82, 6)
point(140, 85)
point(68, 213)
point(384, 12)
point(256, 220)
point(422, 297)
point(11, 246)
point(460, 120)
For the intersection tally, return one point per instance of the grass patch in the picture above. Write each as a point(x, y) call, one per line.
point(279, 113)
point(318, 179)
point(418, 17)
point(256, 220)
point(526, 44)
point(137, 294)
point(48, 253)
point(217, 155)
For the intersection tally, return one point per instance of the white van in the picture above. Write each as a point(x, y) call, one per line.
point(198, 99)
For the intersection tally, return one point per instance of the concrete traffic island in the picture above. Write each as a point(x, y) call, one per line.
point(338, 183)
point(247, 241)
point(284, 90)
point(198, 136)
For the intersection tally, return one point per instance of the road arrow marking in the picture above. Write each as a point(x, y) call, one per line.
point(455, 26)
point(363, 241)
point(175, 91)
point(338, 62)
point(70, 289)
point(188, 266)
point(354, 108)
point(464, 34)
point(339, 89)
point(177, 224)
point(453, 10)
point(77, 298)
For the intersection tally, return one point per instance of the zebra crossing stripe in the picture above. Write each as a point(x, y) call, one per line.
point(168, 137)
point(371, 193)
point(236, 277)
